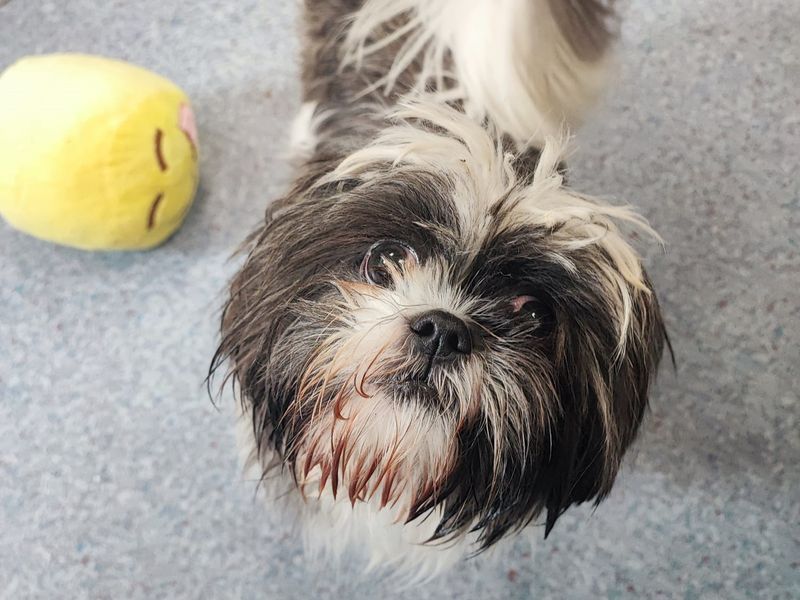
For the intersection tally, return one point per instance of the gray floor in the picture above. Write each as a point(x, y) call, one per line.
point(117, 476)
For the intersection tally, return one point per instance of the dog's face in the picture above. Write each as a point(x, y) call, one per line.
point(426, 329)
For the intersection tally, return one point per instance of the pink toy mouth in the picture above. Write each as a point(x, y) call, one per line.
point(188, 124)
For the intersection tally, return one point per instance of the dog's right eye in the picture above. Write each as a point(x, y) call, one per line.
point(535, 310)
point(385, 258)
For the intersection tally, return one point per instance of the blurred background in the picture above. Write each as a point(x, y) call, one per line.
point(118, 477)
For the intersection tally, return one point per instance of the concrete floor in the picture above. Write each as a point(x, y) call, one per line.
point(118, 478)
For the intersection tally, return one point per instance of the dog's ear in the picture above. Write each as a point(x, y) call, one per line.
point(603, 390)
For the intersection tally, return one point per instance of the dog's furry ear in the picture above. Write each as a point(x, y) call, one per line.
point(604, 395)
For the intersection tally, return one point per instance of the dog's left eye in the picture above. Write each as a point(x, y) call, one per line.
point(529, 306)
point(385, 258)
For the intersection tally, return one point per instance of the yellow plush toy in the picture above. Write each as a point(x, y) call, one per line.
point(94, 153)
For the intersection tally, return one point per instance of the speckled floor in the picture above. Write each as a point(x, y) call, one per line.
point(118, 478)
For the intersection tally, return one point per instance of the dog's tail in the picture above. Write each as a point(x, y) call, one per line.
point(533, 66)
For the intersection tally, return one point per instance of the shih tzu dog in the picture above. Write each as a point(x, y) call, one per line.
point(435, 341)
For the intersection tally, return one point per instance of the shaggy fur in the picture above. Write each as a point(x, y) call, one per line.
point(427, 128)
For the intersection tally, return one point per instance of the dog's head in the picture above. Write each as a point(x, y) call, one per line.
point(426, 328)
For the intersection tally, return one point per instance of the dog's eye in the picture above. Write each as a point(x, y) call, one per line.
point(530, 306)
point(385, 258)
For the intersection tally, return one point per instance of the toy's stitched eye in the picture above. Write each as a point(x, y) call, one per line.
point(385, 258)
point(151, 218)
point(162, 164)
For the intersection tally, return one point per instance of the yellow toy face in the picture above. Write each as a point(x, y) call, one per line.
point(94, 153)
point(152, 175)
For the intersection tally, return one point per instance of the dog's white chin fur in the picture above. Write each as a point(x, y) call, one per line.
point(332, 528)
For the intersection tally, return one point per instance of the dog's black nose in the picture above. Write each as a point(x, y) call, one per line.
point(441, 335)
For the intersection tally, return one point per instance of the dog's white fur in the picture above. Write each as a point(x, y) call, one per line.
point(303, 136)
point(332, 526)
point(510, 61)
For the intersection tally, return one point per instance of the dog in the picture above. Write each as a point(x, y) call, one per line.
point(434, 340)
